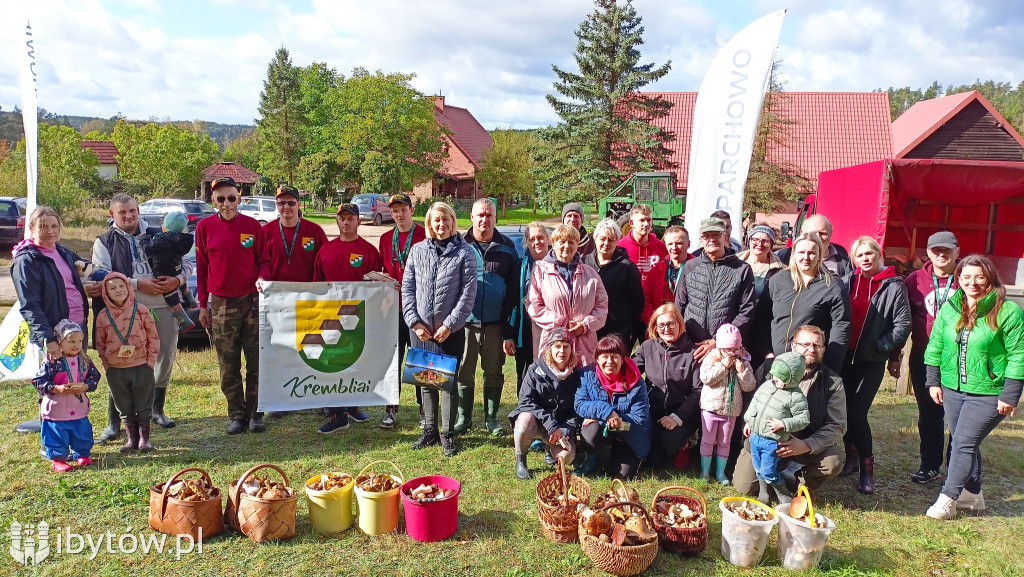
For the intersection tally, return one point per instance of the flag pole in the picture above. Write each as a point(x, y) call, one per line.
point(30, 119)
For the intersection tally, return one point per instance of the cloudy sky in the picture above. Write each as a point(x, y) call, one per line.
point(186, 59)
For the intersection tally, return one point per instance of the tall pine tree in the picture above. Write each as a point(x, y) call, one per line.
point(281, 126)
point(606, 131)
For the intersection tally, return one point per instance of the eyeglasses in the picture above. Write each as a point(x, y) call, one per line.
point(223, 199)
point(809, 345)
point(668, 325)
point(286, 203)
point(760, 241)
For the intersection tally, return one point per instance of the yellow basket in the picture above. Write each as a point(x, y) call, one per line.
point(330, 511)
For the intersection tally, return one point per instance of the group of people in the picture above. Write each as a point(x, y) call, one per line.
point(628, 343)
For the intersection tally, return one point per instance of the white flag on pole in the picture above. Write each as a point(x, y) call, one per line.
point(725, 121)
point(30, 117)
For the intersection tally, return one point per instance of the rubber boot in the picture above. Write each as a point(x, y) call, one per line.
point(762, 491)
point(588, 466)
point(144, 444)
point(852, 464)
point(782, 491)
point(522, 471)
point(705, 467)
point(720, 471)
point(867, 476)
point(492, 403)
point(464, 422)
point(159, 396)
point(133, 437)
point(113, 429)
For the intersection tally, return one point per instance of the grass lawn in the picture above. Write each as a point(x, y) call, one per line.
point(499, 533)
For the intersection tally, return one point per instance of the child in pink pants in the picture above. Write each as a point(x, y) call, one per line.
point(726, 375)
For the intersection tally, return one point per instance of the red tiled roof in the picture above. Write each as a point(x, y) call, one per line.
point(104, 150)
point(466, 132)
point(925, 117)
point(241, 174)
point(832, 130)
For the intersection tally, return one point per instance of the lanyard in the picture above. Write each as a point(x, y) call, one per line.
point(402, 255)
point(67, 369)
point(288, 248)
point(941, 299)
point(673, 278)
point(135, 307)
point(732, 386)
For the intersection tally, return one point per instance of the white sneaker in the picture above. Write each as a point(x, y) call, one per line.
point(944, 508)
point(969, 501)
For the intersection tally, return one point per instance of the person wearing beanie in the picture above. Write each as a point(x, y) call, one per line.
point(572, 215)
point(164, 250)
point(546, 398)
point(726, 375)
point(778, 409)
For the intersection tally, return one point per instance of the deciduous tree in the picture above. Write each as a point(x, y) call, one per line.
point(506, 167)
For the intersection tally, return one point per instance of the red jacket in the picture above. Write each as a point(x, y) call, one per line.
point(230, 256)
point(921, 292)
point(386, 247)
point(307, 244)
point(650, 259)
point(346, 261)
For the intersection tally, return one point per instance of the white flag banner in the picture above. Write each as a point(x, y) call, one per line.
point(328, 345)
point(19, 358)
point(30, 118)
point(725, 121)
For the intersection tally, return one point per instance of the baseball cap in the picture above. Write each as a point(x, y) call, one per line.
point(400, 198)
point(712, 225)
point(943, 239)
point(349, 208)
point(285, 190)
point(223, 181)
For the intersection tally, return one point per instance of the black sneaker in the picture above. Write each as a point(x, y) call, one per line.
point(335, 424)
point(923, 476)
point(429, 438)
point(448, 446)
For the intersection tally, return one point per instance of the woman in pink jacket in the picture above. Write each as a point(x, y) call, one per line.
point(566, 293)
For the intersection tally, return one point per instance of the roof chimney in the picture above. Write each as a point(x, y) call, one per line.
point(439, 103)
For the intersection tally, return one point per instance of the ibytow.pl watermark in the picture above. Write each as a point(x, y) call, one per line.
point(33, 543)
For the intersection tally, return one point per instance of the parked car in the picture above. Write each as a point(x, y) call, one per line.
point(153, 211)
point(373, 208)
point(12, 220)
point(262, 208)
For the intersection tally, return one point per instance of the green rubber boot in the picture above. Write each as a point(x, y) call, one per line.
point(705, 467)
point(720, 471)
point(492, 403)
point(464, 421)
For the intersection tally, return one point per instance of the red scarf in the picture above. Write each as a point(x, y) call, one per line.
point(625, 380)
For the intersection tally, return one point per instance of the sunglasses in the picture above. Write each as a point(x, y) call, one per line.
point(286, 203)
point(223, 199)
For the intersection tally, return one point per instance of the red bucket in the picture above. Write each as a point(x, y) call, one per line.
point(431, 521)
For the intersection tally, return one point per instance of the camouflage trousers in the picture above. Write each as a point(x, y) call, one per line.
point(235, 331)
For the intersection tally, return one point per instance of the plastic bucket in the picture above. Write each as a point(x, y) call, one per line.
point(800, 545)
point(434, 521)
point(330, 511)
point(744, 542)
point(378, 512)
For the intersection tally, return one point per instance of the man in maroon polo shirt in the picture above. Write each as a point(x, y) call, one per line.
point(345, 259)
point(395, 246)
point(292, 241)
point(231, 258)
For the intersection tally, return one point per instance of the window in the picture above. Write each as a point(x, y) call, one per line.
point(644, 192)
point(268, 206)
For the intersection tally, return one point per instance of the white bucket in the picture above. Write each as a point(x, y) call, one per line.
point(743, 542)
point(800, 545)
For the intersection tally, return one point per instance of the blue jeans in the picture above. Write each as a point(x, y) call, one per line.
point(59, 436)
point(765, 459)
point(970, 419)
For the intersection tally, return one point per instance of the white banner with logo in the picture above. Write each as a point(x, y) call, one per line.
point(30, 117)
point(328, 344)
point(725, 121)
point(19, 359)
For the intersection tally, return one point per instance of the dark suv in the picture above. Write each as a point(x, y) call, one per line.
point(153, 211)
point(12, 220)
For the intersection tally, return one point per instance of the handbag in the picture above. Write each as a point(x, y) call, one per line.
point(430, 370)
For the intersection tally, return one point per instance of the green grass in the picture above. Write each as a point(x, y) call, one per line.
point(499, 533)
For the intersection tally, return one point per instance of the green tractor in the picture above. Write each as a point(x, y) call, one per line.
point(655, 189)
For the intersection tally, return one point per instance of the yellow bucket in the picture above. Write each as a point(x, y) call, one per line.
point(378, 512)
point(330, 511)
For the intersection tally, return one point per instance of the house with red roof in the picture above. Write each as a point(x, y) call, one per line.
point(465, 144)
point(107, 154)
point(244, 178)
point(961, 126)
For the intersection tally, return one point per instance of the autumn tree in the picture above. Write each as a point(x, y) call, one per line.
point(506, 165)
point(168, 160)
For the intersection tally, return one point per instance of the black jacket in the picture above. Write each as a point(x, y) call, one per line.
point(621, 280)
point(824, 303)
point(548, 398)
point(165, 250)
point(887, 324)
point(41, 293)
point(711, 293)
point(673, 378)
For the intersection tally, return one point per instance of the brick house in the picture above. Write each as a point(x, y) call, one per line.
point(465, 145)
point(107, 154)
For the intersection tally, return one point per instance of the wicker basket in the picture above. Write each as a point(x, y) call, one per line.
point(260, 519)
point(675, 539)
point(621, 560)
point(560, 522)
point(197, 519)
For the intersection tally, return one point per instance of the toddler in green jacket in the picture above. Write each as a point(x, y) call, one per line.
point(778, 409)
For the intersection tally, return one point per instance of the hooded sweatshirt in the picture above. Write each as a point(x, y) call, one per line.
point(139, 333)
point(861, 291)
point(880, 316)
point(650, 259)
point(927, 294)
